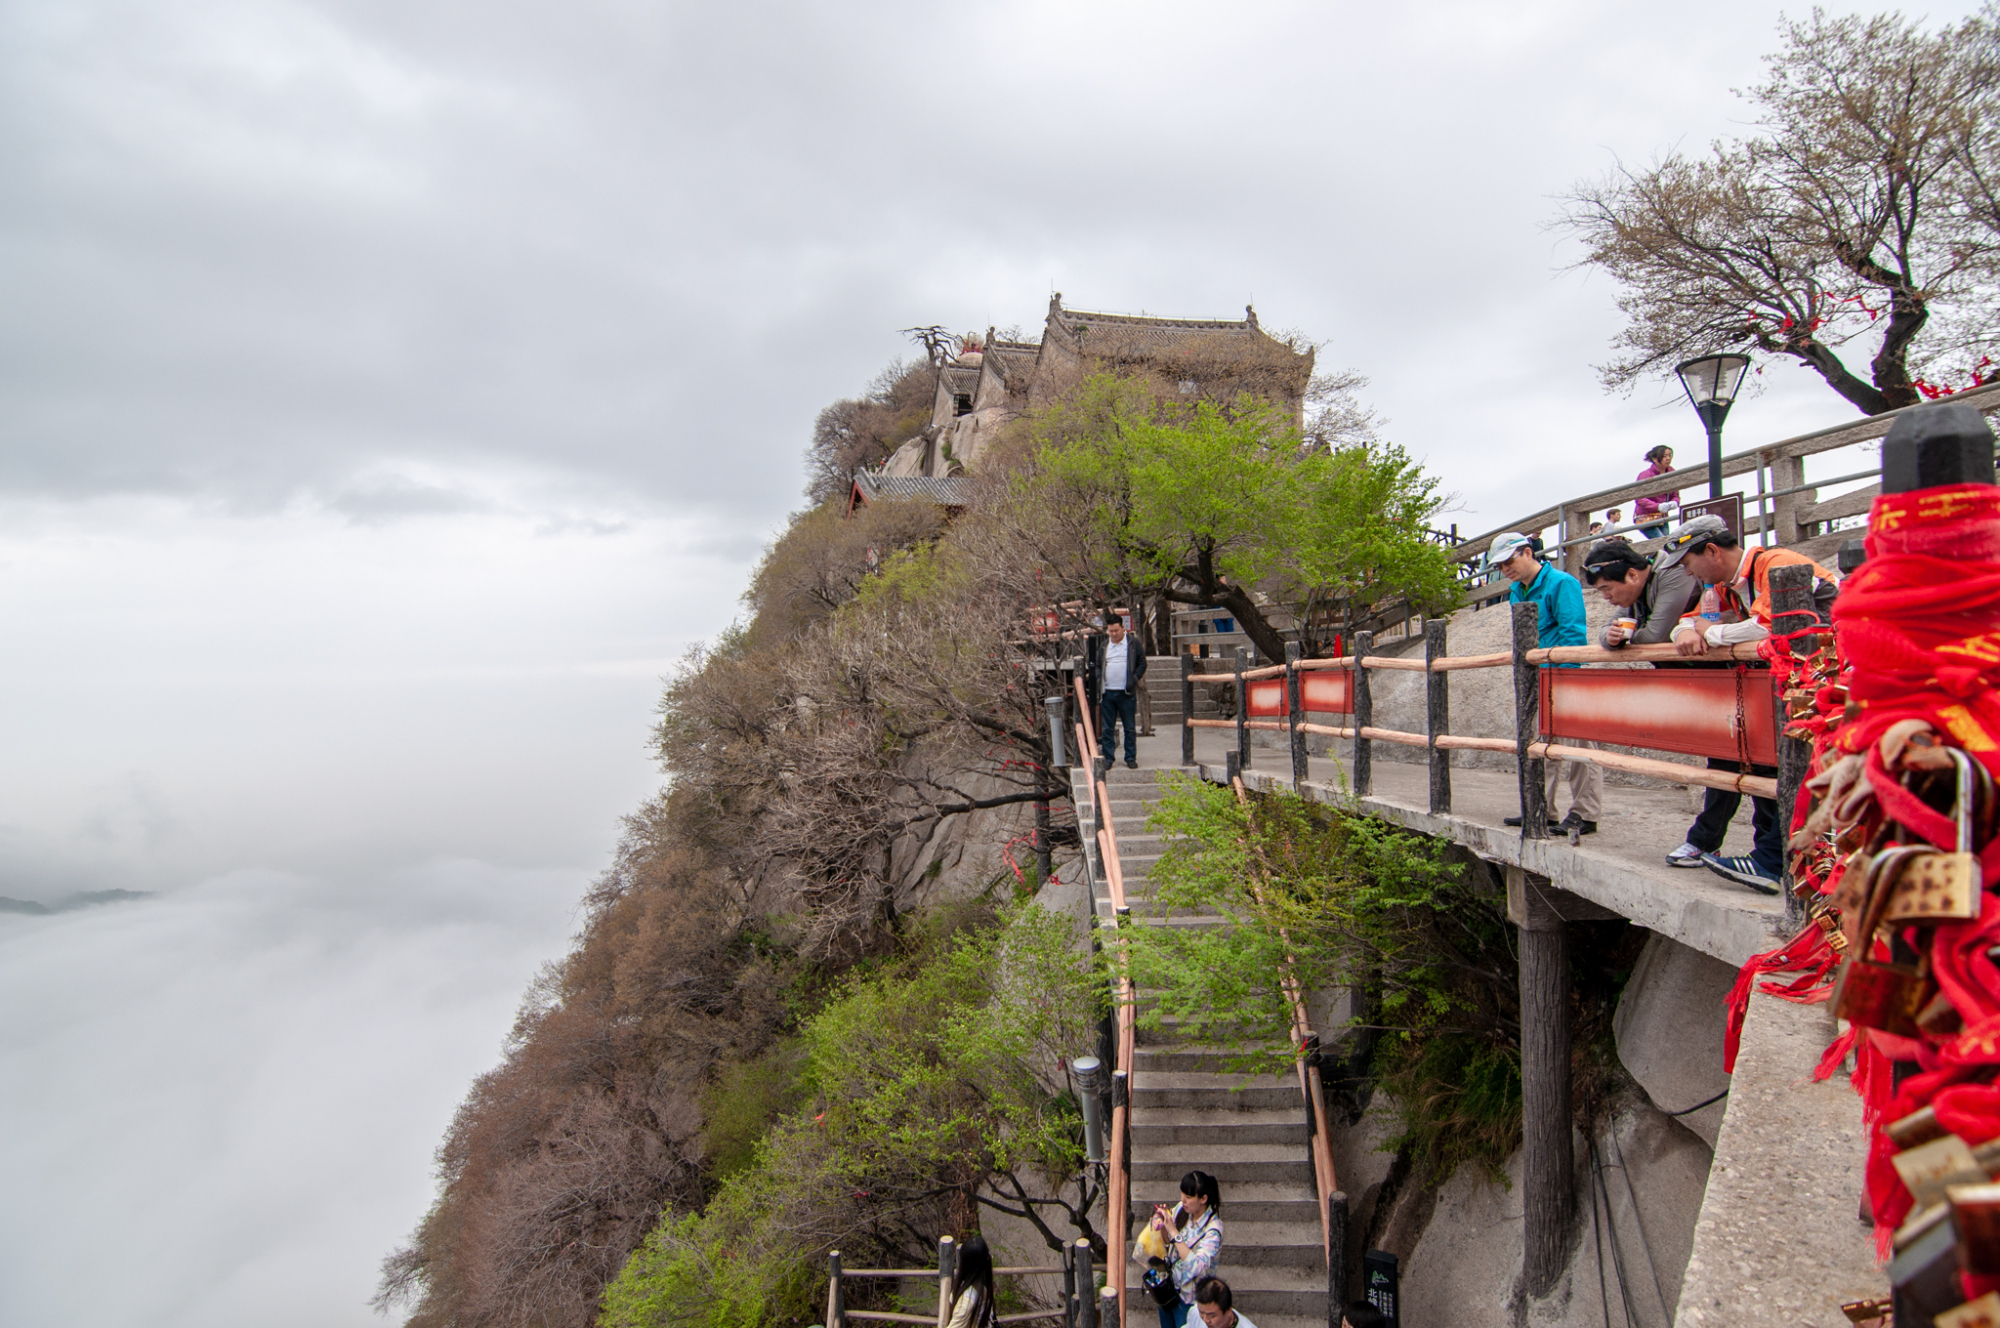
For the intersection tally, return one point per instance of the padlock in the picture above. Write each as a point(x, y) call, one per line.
point(1875, 995)
point(1931, 886)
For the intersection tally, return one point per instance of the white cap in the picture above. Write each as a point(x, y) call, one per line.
point(1504, 545)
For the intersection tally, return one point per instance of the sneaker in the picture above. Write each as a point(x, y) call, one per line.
point(1743, 871)
point(1687, 855)
point(1131, 765)
point(1577, 824)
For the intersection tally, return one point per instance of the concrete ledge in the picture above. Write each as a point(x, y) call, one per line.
point(1695, 908)
point(1779, 1242)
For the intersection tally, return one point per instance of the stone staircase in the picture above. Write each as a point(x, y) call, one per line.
point(1188, 1113)
point(1163, 683)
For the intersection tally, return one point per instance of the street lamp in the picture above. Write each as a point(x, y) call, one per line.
point(1711, 384)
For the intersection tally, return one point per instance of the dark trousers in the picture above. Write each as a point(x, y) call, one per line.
point(1112, 708)
point(1174, 1315)
point(1719, 805)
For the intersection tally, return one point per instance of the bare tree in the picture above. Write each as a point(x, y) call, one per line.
point(1844, 218)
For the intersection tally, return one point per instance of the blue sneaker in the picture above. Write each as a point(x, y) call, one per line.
point(1743, 871)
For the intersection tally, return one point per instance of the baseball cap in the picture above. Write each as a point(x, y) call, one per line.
point(1697, 531)
point(1504, 545)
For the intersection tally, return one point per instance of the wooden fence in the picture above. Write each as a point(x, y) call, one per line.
point(1077, 1312)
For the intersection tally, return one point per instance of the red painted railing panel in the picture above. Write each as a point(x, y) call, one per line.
point(1321, 691)
point(1698, 712)
point(1328, 691)
point(1267, 698)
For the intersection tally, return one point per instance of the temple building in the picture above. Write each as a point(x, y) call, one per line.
point(985, 385)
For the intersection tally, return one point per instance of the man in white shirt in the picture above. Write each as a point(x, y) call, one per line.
point(1215, 1303)
point(1119, 667)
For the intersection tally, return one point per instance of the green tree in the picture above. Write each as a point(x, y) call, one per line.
point(933, 1087)
point(1229, 508)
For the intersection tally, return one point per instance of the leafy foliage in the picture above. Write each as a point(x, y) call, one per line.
point(1340, 900)
point(1207, 504)
point(933, 1085)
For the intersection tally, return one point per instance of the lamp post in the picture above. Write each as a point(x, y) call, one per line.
point(1711, 384)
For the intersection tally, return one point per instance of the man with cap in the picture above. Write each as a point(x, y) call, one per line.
point(1652, 600)
point(1559, 598)
point(1735, 610)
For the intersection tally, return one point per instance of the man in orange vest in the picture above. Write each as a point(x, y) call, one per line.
point(1735, 610)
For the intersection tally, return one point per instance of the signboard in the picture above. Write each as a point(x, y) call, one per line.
point(1381, 1283)
point(1725, 713)
point(1729, 507)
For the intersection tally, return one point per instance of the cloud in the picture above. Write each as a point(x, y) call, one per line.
point(223, 1100)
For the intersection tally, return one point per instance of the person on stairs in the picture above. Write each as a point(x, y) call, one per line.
point(974, 1306)
point(1216, 1305)
point(1117, 670)
point(1189, 1236)
point(1559, 598)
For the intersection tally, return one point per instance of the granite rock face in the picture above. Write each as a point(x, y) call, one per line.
point(1669, 1029)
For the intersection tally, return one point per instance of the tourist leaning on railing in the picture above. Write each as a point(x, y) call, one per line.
point(1559, 598)
point(1738, 611)
point(1650, 604)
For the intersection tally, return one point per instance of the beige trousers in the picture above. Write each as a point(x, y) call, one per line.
point(1586, 785)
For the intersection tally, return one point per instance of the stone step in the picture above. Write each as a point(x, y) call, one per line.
point(1249, 1202)
point(1277, 1164)
point(1192, 1131)
point(1274, 1246)
point(1185, 1058)
point(1215, 1092)
point(1265, 1294)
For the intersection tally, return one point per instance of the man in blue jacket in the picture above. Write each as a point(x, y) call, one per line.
point(1560, 599)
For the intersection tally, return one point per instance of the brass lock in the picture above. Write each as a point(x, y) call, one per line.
point(1931, 886)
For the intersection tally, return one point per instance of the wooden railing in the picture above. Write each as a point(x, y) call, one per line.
point(1077, 1311)
point(1528, 745)
point(1118, 1182)
point(1786, 507)
point(1329, 1199)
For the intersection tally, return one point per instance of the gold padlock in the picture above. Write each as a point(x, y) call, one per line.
point(1933, 886)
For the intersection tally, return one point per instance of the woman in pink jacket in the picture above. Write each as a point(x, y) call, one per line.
point(1649, 514)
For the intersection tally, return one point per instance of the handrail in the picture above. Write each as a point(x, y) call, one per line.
point(1118, 1180)
point(1846, 434)
point(1746, 652)
point(838, 1315)
point(1326, 1182)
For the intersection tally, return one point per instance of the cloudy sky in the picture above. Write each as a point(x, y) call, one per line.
point(390, 392)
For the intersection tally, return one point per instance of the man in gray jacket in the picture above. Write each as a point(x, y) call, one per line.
point(1654, 601)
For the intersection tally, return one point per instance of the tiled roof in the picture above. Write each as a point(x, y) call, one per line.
point(947, 491)
point(1142, 337)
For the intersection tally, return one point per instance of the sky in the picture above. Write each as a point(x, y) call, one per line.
point(390, 394)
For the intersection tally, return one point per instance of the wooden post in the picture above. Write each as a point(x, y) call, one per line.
point(1548, 1182)
point(836, 1308)
point(947, 1278)
point(1575, 523)
point(1791, 610)
point(1299, 765)
point(1086, 1284)
point(1187, 708)
point(1336, 1261)
point(1242, 716)
point(1111, 1305)
point(1789, 472)
point(1069, 1286)
point(1364, 714)
point(1437, 714)
point(1528, 721)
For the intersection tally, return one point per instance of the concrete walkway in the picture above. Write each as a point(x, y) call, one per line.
point(1622, 867)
